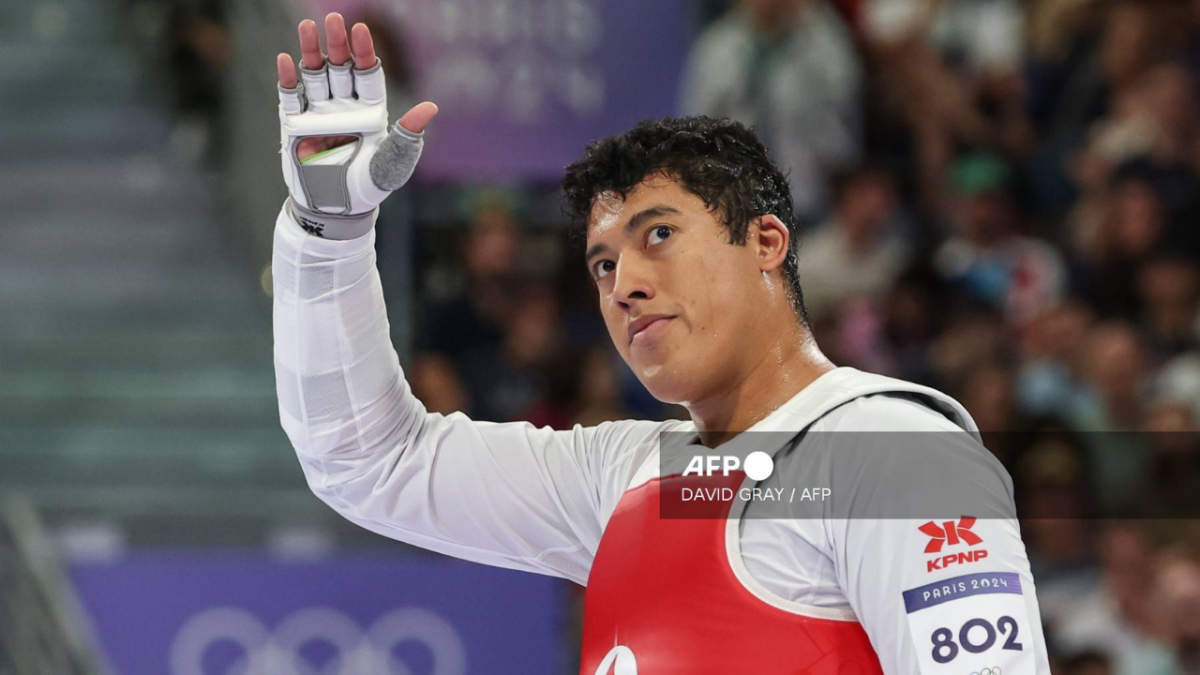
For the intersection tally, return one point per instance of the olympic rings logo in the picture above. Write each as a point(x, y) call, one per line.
point(994, 670)
point(264, 652)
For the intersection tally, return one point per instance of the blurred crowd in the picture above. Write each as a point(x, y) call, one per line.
point(999, 200)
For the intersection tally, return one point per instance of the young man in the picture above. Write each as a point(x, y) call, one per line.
point(690, 233)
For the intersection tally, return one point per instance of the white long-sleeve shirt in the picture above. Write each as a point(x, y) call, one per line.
point(515, 496)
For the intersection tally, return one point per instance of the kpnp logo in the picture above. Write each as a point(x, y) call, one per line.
point(952, 534)
point(758, 465)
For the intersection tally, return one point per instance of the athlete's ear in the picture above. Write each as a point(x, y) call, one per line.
point(770, 239)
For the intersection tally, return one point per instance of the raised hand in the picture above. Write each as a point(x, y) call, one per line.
point(339, 160)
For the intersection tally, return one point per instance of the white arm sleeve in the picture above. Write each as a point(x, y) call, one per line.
point(508, 495)
point(970, 604)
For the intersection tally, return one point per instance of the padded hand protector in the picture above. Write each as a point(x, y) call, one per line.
point(335, 193)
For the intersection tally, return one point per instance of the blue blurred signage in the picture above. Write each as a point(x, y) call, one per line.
point(523, 85)
point(245, 614)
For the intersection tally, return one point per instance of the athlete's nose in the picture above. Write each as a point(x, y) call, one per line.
point(633, 281)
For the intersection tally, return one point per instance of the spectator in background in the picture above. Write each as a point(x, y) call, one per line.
point(1054, 500)
point(988, 393)
point(1120, 618)
point(857, 253)
point(1178, 383)
point(1049, 379)
point(1178, 596)
point(1149, 138)
point(891, 336)
point(972, 338)
point(1173, 446)
point(978, 38)
point(1169, 294)
point(1115, 371)
point(1170, 94)
point(1089, 61)
point(1096, 378)
point(1086, 52)
point(514, 379)
point(1114, 239)
point(472, 320)
point(600, 388)
point(788, 68)
point(950, 70)
point(986, 257)
point(1063, 37)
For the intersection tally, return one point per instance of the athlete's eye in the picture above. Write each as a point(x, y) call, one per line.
point(599, 271)
point(662, 231)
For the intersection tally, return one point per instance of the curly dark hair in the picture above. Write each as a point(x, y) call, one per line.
point(718, 160)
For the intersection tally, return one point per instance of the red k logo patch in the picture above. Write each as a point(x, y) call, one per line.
point(950, 533)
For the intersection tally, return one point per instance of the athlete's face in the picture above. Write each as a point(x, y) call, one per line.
point(661, 254)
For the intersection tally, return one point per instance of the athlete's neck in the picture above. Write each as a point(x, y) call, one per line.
point(788, 366)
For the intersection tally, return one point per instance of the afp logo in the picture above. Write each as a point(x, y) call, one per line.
point(758, 465)
point(951, 534)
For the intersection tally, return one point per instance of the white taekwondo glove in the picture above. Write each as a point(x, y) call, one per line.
point(336, 193)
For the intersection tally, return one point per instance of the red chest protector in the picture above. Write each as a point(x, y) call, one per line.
point(662, 599)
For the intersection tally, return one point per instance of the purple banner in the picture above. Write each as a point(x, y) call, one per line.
point(523, 85)
point(983, 583)
point(246, 614)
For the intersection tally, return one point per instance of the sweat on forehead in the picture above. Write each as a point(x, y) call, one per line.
point(612, 201)
point(609, 204)
point(614, 197)
point(609, 200)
